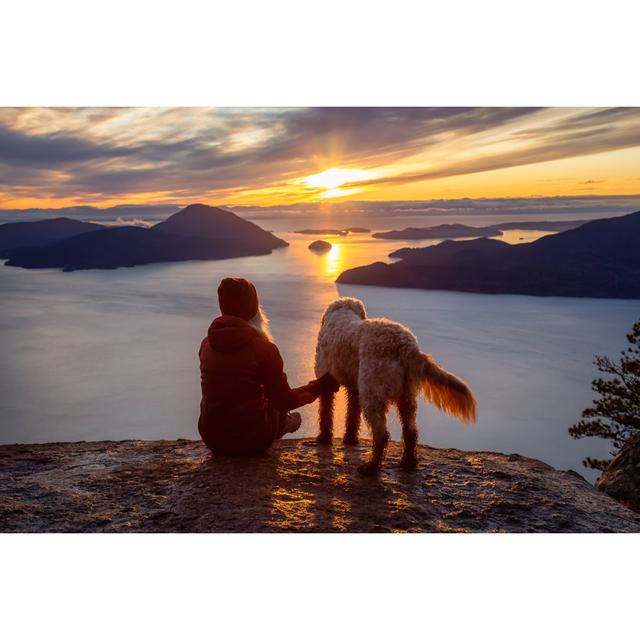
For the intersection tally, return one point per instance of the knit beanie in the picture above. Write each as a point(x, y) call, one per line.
point(238, 297)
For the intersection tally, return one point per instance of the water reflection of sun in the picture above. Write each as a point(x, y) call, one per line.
point(333, 260)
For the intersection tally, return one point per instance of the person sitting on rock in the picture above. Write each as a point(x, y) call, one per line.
point(245, 394)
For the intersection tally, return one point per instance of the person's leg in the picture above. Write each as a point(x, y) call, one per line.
point(218, 439)
point(285, 422)
point(247, 435)
point(205, 432)
point(238, 435)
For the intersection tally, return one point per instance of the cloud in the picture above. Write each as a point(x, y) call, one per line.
point(125, 222)
point(543, 150)
point(184, 154)
point(52, 150)
point(558, 207)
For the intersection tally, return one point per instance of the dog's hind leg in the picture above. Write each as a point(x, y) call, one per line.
point(325, 416)
point(407, 408)
point(353, 417)
point(375, 413)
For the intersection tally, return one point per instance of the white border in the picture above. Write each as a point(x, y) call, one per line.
point(318, 586)
point(334, 52)
point(187, 53)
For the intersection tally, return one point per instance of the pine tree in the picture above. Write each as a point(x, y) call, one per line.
point(615, 414)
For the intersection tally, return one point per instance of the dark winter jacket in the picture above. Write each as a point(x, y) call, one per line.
point(242, 380)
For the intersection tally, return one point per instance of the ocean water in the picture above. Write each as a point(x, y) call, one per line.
point(97, 355)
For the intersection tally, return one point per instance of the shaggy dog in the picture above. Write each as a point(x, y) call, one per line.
point(380, 363)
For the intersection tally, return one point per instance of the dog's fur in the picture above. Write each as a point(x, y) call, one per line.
point(380, 363)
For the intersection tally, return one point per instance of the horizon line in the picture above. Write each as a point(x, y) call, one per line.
point(327, 205)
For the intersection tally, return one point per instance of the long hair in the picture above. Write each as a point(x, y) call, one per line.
point(260, 322)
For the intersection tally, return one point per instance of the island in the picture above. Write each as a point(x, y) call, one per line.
point(323, 232)
point(541, 225)
point(197, 232)
point(320, 246)
point(179, 486)
point(466, 231)
point(15, 235)
point(599, 259)
point(439, 231)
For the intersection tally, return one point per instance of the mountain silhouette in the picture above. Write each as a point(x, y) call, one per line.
point(439, 231)
point(598, 259)
point(466, 231)
point(541, 225)
point(198, 232)
point(14, 235)
point(203, 221)
point(128, 247)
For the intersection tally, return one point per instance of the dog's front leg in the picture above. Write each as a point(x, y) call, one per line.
point(325, 416)
point(353, 417)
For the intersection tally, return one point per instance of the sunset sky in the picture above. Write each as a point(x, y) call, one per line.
point(247, 156)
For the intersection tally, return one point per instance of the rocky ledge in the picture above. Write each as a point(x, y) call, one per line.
point(176, 486)
point(621, 478)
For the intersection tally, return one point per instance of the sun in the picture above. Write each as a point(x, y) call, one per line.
point(332, 179)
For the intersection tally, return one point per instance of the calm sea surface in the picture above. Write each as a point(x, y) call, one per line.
point(98, 355)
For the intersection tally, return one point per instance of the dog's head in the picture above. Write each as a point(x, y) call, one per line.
point(345, 305)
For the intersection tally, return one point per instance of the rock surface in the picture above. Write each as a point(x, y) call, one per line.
point(173, 486)
point(621, 478)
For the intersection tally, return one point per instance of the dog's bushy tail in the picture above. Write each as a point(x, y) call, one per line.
point(445, 390)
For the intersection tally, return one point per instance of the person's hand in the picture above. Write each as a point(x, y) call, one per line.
point(327, 383)
point(308, 396)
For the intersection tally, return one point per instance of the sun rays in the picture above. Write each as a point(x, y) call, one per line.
point(329, 182)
